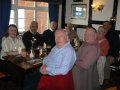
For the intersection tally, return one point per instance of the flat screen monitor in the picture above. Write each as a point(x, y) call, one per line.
point(78, 11)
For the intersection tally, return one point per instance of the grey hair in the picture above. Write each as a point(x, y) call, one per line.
point(66, 32)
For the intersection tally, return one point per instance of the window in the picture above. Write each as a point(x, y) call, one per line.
point(23, 12)
point(12, 15)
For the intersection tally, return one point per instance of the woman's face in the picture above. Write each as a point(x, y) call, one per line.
point(101, 33)
point(12, 32)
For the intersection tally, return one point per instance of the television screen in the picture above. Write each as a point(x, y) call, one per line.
point(78, 11)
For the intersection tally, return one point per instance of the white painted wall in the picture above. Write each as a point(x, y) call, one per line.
point(106, 13)
point(118, 17)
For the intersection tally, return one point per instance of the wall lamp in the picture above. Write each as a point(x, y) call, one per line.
point(113, 18)
point(97, 7)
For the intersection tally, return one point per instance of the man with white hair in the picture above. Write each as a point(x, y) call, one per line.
point(56, 68)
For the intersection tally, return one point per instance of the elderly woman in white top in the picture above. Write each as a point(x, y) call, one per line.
point(11, 42)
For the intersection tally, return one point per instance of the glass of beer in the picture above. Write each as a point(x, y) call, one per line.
point(36, 52)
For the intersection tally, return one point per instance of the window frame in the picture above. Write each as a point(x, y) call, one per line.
point(36, 9)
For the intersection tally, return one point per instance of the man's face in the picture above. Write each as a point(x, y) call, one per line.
point(60, 38)
point(34, 27)
point(107, 25)
point(53, 25)
point(89, 35)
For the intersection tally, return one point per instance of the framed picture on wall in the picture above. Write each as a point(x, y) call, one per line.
point(78, 11)
point(77, 0)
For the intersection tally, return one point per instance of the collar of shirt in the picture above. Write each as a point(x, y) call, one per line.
point(51, 29)
point(54, 51)
point(63, 46)
point(12, 38)
point(32, 32)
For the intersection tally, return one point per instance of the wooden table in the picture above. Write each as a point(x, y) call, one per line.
point(18, 66)
point(21, 62)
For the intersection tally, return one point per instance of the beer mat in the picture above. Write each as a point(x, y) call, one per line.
point(34, 61)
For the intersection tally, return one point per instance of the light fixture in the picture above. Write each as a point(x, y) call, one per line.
point(113, 18)
point(97, 7)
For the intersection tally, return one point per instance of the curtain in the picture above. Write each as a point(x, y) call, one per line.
point(53, 12)
point(5, 7)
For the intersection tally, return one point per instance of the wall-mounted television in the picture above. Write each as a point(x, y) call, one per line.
point(78, 11)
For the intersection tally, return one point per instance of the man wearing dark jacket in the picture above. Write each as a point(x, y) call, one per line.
point(113, 53)
point(48, 35)
point(31, 38)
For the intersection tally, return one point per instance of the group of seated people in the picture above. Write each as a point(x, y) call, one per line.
point(63, 68)
point(12, 42)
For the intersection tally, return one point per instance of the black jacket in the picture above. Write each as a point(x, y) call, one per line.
point(49, 37)
point(113, 39)
point(28, 36)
